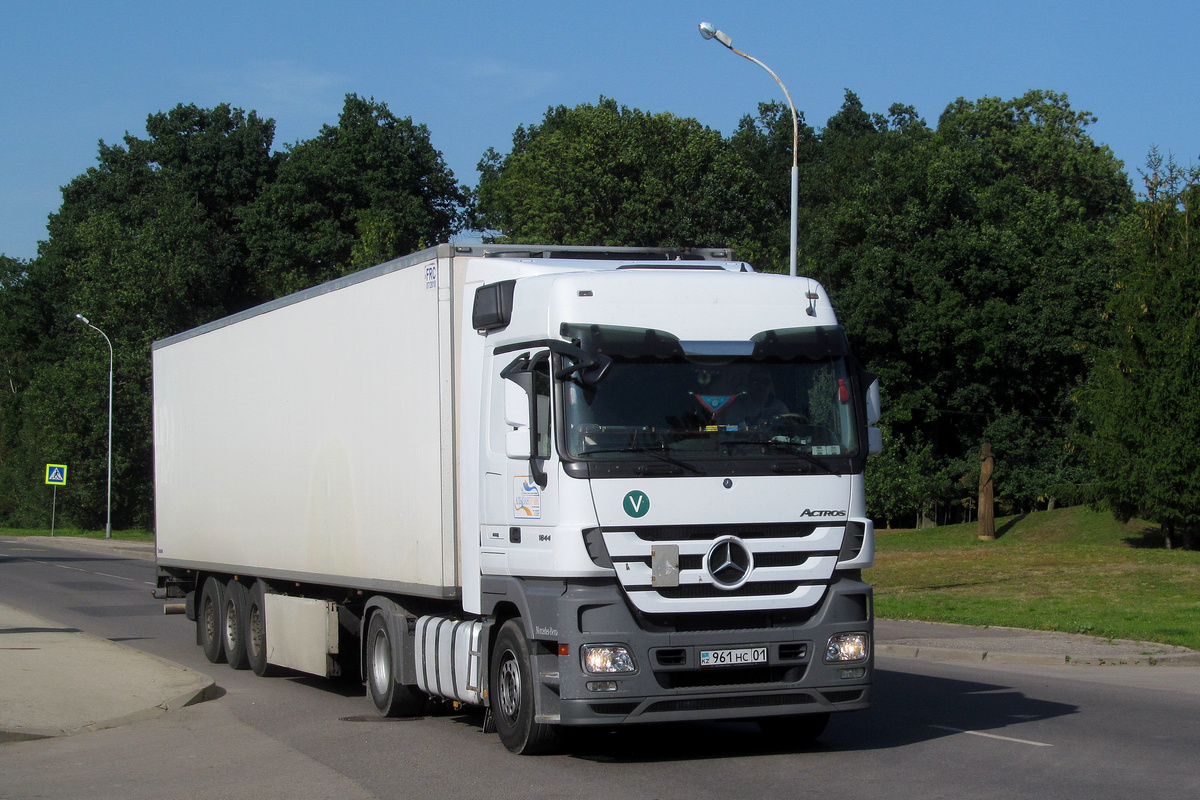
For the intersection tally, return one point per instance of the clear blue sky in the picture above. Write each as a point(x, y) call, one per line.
point(73, 73)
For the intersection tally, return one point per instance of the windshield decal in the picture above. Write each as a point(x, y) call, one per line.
point(714, 403)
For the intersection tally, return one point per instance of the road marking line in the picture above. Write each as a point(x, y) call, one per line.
point(993, 736)
point(118, 577)
point(62, 566)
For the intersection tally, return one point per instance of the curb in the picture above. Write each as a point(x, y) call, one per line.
point(208, 692)
point(955, 655)
point(75, 657)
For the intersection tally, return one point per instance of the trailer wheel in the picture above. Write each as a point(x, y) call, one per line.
point(208, 620)
point(799, 729)
point(391, 699)
point(233, 625)
point(256, 630)
point(511, 695)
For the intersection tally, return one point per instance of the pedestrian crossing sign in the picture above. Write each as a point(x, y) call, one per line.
point(56, 474)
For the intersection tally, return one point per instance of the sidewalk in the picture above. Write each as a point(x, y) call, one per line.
point(56, 680)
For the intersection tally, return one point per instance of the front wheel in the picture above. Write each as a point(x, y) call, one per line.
point(511, 695)
point(391, 699)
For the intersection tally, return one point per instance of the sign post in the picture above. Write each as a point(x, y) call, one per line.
point(56, 476)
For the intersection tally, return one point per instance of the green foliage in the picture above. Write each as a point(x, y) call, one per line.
point(968, 271)
point(1142, 402)
point(145, 245)
point(197, 221)
point(970, 262)
point(608, 175)
point(362, 192)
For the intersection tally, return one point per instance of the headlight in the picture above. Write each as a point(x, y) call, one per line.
point(607, 658)
point(847, 647)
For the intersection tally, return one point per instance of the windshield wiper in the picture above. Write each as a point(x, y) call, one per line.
point(641, 448)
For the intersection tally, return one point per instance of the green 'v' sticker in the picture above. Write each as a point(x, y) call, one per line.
point(636, 503)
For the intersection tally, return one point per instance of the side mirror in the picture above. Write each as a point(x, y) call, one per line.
point(516, 444)
point(516, 406)
point(521, 403)
point(874, 441)
point(874, 407)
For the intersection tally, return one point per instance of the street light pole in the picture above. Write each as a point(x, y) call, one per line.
point(709, 31)
point(108, 521)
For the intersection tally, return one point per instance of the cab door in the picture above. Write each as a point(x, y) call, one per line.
point(519, 511)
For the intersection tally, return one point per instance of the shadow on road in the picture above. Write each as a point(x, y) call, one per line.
point(905, 709)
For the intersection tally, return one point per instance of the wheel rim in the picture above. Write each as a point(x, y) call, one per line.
point(231, 625)
point(210, 619)
point(510, 685)
point(256, 632)
point(381, 664)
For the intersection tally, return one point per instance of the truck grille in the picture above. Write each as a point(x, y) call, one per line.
point(780, 565)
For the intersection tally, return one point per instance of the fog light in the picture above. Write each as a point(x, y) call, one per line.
point(602, 686)
point(852, 673)
point(847, 647)
point(602, 658)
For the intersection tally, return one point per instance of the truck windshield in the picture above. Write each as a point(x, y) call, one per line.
point(784, 392)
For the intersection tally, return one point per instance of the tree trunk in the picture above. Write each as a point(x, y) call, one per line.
point(987, 512)
point(1168, 530)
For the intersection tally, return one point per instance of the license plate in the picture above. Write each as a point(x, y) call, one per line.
point(732, 658)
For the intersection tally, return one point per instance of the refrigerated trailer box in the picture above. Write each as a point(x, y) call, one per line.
point(577, 486)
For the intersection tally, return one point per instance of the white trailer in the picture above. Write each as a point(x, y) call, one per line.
point(543, 480)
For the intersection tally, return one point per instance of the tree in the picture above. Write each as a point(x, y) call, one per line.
point(195, 221)
point(609, 175)
point(764, 144)
point(1142, 402)
point(969, 263)
point(362, 192)
point(145, 244)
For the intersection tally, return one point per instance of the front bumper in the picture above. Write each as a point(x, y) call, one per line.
point(670, 684)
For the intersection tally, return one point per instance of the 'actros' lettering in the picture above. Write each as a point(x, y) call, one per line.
point(808, 512)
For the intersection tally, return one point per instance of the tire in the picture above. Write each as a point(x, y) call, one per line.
point(391, 699)
point(511, 695)
point(233, 625)
point(208, 620)
point(256, 630)
point(799, 729)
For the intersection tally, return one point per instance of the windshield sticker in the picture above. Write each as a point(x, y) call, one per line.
point(715, 403)
point(527, 498)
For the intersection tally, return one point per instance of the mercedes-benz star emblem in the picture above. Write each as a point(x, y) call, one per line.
point(729, 562)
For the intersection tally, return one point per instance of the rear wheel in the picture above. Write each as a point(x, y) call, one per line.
point(233, 625)
point(391, 699)
point(208, 620)
point(511, 694)
point(256, 630)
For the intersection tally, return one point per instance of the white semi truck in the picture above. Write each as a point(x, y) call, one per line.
point(575, 486)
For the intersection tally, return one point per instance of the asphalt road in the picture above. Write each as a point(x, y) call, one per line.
point(935, 731)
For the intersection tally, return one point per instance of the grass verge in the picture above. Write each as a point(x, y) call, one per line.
point(1071, 569)
point(134, 535)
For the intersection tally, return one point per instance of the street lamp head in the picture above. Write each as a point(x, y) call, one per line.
point(82, 319)
point(709, 31)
